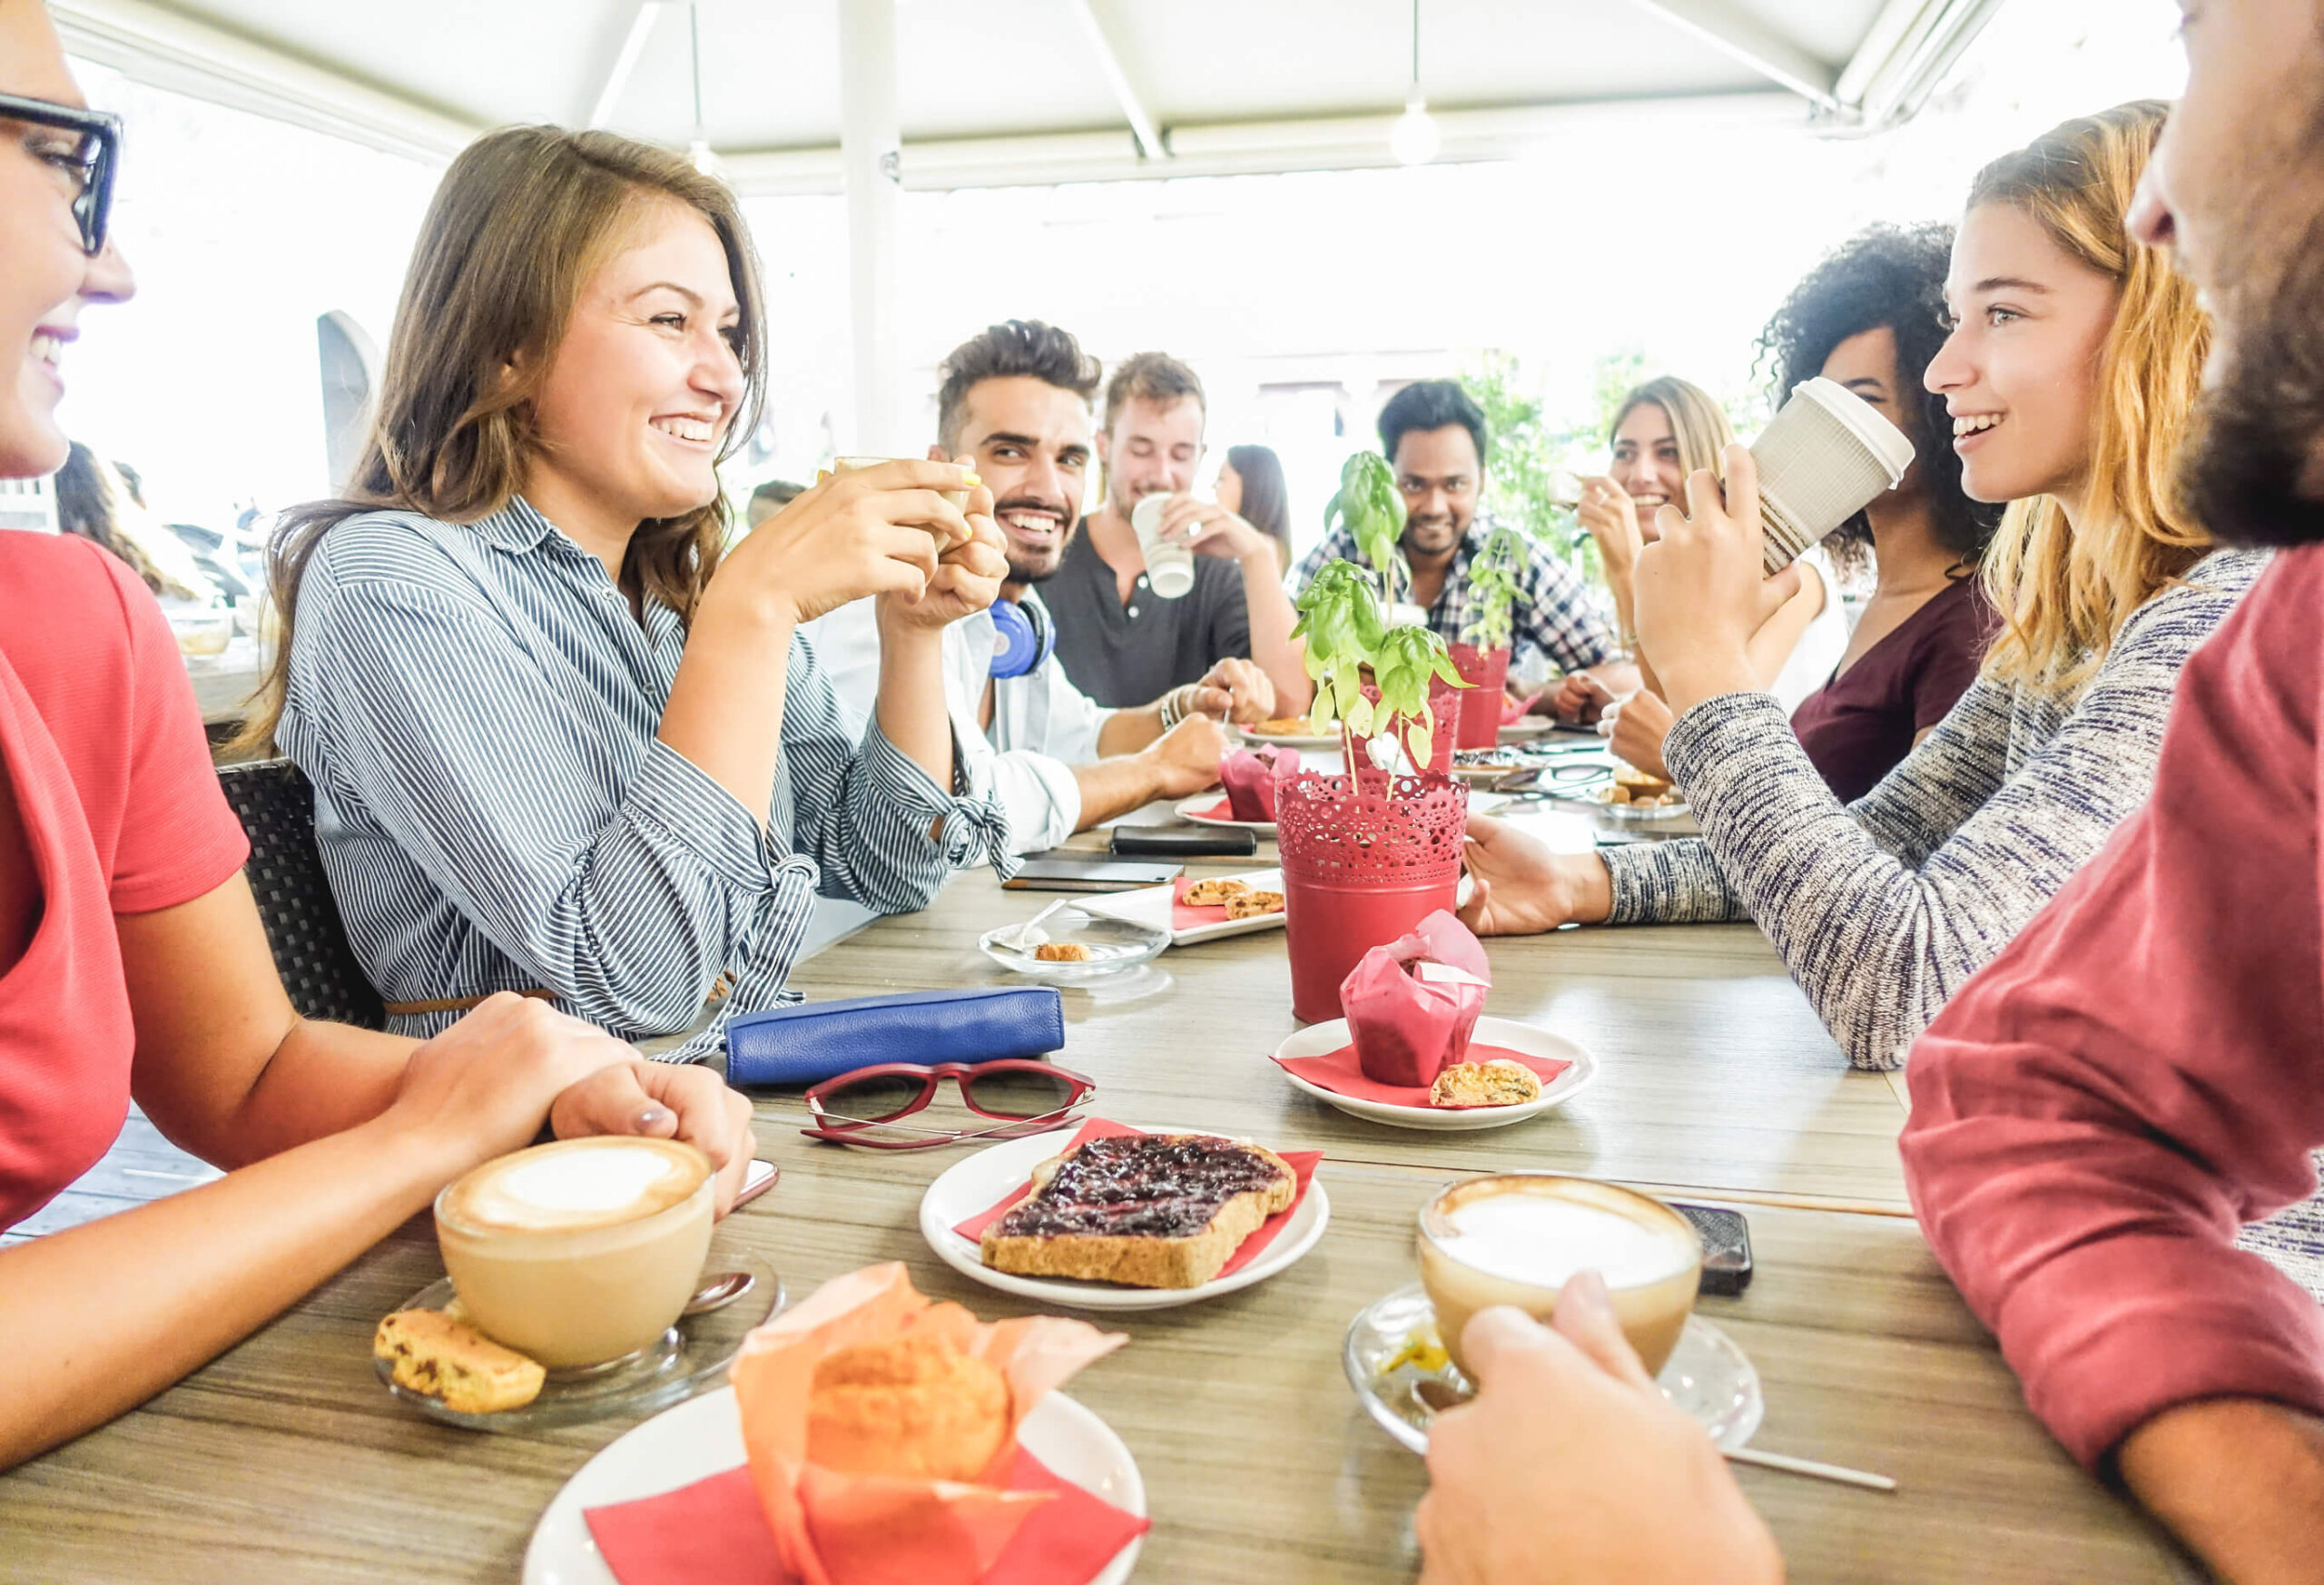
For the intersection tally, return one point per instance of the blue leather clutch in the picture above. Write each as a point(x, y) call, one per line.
point(810, 1042)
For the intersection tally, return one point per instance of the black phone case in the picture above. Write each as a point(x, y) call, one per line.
point(1726, 1247)
point(1138, 842)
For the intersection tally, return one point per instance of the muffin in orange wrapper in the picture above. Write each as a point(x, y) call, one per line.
point(869, 1368)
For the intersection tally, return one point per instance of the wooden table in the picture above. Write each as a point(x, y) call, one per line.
point(284, 1460)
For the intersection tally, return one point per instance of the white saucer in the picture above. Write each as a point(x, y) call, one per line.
point(699, 1439)
point(1308, 740)
point(1186, 809)
point(1527, 729)
point(1151, 906)
point(981, 1181)
point(1706, 1375)
point(1323, 1040)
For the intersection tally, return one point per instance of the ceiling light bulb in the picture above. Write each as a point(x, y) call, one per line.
point(1414, 139)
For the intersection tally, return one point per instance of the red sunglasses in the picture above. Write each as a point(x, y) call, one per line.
point(867, 1106)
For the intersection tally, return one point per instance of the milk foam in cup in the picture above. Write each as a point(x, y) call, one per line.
point(959, 499)
point(1170, 569)
point(1824, 457)
point(579, 1252)
point(1515, 1238)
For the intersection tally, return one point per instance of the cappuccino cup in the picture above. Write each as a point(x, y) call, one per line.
point(1515, 1238)
point(1169, 567)
point(580, 1252)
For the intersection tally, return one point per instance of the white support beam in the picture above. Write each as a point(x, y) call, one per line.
point(1773, 56)
point(633, 44)
point(870, 156)
point(1248, 148)
point(168, 49)
point(1109, 65)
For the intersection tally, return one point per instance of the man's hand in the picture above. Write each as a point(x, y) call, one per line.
point(1580, 699)
point(968, 575)
point(1185, 759)
point(1523, 888)
point(1700, 593)
point(1207, 528)
point(1233, 690)
point(2239, 1481)
point(1570, 1467)
point(1638, 726)
point(665, 1100)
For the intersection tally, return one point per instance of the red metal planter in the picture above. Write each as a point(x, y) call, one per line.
point(1486, 670)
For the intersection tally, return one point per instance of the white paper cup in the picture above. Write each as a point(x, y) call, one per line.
point(1822, 462)
point(1170, 569)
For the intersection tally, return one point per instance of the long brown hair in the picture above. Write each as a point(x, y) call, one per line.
point(2064, 594)
point(521, 224)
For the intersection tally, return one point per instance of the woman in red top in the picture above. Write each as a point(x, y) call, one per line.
point(132, 958)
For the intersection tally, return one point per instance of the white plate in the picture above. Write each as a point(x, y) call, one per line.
point(698, 1438)
point(1323, 1040)
point(1303, 741)
point(984, 1179)
point(1528, 729)
point(1186, 809)
point(1150, 906)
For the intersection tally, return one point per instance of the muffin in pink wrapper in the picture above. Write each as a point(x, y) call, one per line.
point(1413, 1004)
point(1251, 777)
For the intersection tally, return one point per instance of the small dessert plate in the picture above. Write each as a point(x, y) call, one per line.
point(1672, 808)
point(1528, 729)
point(1151, 906)
point(686, 1358)
point(1298, 740)
point(1196, 810)
point(1708, 1375)
point(1322, 1039)
point(696, 1441)
point(1114, 944)
point(976, 1185)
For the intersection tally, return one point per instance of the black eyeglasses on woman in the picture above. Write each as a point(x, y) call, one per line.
point(84, 144)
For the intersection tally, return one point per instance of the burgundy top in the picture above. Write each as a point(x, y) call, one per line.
point(2097, 1113)
point(1860, 724)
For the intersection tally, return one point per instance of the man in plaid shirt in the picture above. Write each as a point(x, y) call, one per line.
point(1434, 435)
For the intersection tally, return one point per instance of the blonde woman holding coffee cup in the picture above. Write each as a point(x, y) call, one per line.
point(130, 951)
point(563, 738)
point(2076, 357)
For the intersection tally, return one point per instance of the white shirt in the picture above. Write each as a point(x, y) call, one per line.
point(1817, 653)
point(1042, 723)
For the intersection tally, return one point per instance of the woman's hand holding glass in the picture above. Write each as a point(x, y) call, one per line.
point(881, 530)
point(1610, 514)
point(1700, 593)
point(968, 577)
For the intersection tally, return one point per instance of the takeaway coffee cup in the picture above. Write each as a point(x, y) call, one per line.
point(1822, 460)
point(1170, 569)
point(579, 1252)
point(1515, 1238)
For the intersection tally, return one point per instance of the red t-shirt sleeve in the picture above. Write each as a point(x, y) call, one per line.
point(178, 837)
point(2097, 1114)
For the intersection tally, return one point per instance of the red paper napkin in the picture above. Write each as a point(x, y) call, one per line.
point(1222, 810)
point(1301, 1162)
point(714, 1532)
point(1340, 1073)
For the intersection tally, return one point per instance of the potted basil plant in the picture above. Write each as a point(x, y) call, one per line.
point(1483, 654)
point(1368, 854)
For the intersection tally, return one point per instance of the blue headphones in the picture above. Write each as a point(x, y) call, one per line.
point(1022, 639)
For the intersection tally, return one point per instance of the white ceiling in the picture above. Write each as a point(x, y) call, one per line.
point(1016, 90)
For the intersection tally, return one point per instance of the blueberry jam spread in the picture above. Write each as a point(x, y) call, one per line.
point(1146, 1186)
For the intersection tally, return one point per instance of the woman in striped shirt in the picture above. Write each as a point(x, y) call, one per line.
point(2077, 359)
point(560, 742)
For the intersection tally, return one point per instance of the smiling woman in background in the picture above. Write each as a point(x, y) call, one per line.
point(1663, 431)
point(561, 742)
point(2077, 356)
point(131, 951)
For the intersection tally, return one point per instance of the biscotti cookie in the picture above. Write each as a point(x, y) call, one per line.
point(445, 1358)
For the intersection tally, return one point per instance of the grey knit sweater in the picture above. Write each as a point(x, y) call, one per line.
point(1882, 909)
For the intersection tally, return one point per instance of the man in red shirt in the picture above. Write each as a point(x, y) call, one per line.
point(2142, 1073)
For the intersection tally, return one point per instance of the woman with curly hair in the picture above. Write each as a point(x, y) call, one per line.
point(1870, 318)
